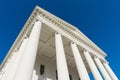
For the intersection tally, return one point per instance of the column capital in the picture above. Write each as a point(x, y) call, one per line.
point(72, 43)
point(57, 33)
point(106, 62)
point(16, 50)
point(95, 57)
point(85, 50)
point(25, 37)
point(37, 20)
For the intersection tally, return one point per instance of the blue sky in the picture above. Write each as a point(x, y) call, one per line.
point(97, 19)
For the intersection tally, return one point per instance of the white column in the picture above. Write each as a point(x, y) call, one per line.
point(111, 73)
point(26, 65)
point(6, 69)
point(102, 69)
point(60, 59)
point(79, 63)
point(92, 66)
point(35, 76)
point(16, 61)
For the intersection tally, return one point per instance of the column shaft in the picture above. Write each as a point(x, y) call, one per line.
point(8, 66)
point(26, 65)
point(102, 69)
point(36, 77)
point(111, 73)
point(79, 63)
point(60, 59)
point(16, 61)
point(92, 66)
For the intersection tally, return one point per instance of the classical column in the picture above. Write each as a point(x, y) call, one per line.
point(102, 69)
point(16, 61)
point(60, 59)
point(27, 62)
point(111, 73)
point(92, 66)
point(6, 69)
point(35, 76)
point(79, 63)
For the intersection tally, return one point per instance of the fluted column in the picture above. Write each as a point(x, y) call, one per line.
point(26, 65)
point(15, 63)
point(60, 59)
point(111, 73)
point(79, 63)
point(102, 69)
point(92, 66)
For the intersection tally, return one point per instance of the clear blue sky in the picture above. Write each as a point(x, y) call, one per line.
point(98, 19)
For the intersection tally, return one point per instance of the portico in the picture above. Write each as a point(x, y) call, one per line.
point(54, 50)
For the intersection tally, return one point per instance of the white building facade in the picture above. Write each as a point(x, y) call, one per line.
point(49, 48)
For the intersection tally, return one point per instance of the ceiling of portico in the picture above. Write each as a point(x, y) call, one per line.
point(47, 46)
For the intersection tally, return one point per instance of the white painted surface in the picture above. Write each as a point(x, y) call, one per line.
point(7, 68)
point(67, 30)
point(102, 69)
point(92, 66)
point(28, 59)
point(15, 63)
point(61, 59)
point(79, 63)
point(113, 76)
point(50, 69)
